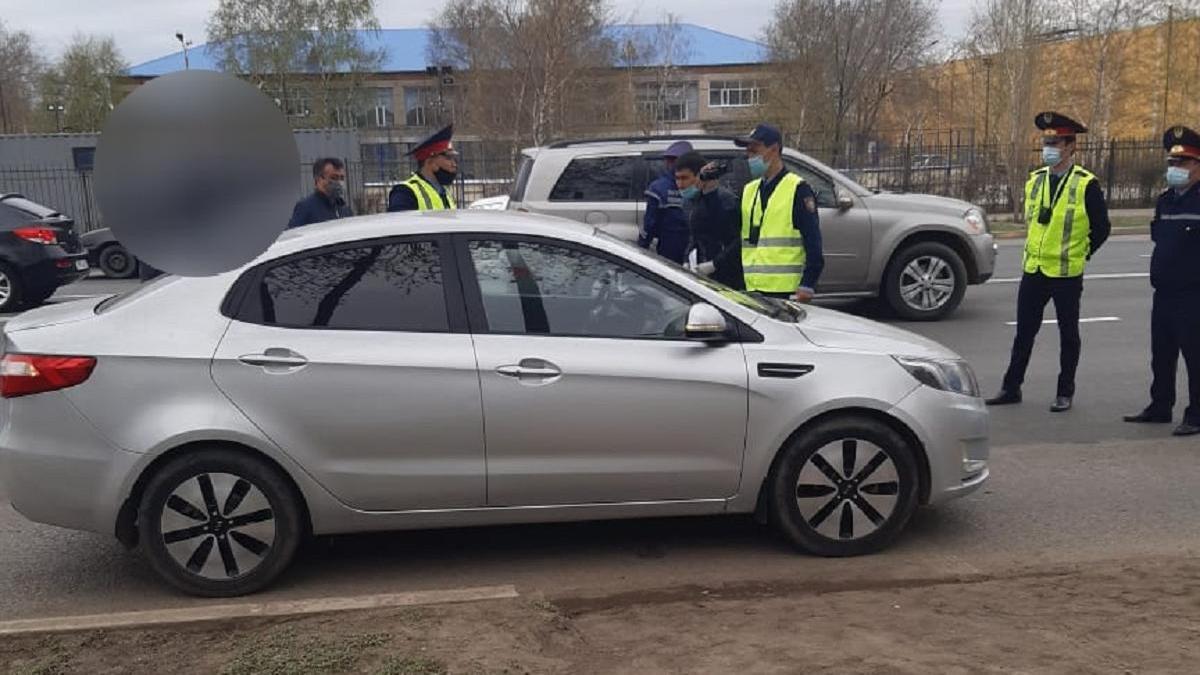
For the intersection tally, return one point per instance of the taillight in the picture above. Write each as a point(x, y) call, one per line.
point(38, 235)
point(25, 374)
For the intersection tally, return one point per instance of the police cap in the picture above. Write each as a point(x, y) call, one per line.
point(1055, 124)
point(437, 143)
point(1180, 141)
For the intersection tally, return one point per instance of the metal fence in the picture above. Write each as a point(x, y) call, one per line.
point(1130, 171)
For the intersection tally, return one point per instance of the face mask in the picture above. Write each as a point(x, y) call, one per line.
point(1051, 155)
point(758, 166)
point(689, 193)
point(1178, 176)
point(337, 190)
point(444, 177)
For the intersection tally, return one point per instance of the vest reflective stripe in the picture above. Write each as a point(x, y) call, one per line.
point(1060, 247)
point(775, 264)
point(427, 198)
point(1180, 216)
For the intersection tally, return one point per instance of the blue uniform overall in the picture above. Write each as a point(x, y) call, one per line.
point(1175, 317)
point(665, 220)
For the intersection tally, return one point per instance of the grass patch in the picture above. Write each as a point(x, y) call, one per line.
point(409, 665)
point(283, 652)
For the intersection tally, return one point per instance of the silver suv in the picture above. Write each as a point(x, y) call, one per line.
point(919, 252)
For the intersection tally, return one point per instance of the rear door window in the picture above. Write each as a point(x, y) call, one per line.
point(597, 179)
point(522, 182)
point(10, 217)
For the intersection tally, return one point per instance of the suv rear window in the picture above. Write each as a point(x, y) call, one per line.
point(522, 182)
point(597, 179)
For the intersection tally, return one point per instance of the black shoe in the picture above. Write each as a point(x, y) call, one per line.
point(1061, 404)
point(1147, 416)
point(1186, 429)
point(1005, 397)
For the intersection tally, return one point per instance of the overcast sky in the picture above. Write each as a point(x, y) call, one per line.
point(145, 29)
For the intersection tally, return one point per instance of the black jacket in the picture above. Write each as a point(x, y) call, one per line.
point(716, 224)
point(317, 208)
point(1175, 264)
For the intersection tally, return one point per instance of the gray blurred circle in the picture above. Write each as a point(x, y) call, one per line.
point(196, 172)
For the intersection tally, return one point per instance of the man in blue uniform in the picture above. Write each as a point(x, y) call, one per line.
point(328, 200)
point(716, 220)
point(665, 219)
point(428, 188)
point(1175, 276)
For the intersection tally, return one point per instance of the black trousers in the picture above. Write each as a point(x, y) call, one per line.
point(1175, 328)
point(1035, 291)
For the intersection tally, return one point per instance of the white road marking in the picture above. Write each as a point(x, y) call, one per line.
point(1117, 275)
point(1093, 319)
point(159, 617)
point(1146, 255)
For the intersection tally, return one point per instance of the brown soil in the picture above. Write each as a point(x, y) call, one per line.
point(1134, 616)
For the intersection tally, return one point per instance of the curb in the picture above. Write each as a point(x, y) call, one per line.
point(248, 610)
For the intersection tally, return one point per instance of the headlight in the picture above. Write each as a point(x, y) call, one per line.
point(943, 374)
point(976, 221)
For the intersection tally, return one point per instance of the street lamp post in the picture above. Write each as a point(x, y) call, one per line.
point(57, 109)
point(186, 44)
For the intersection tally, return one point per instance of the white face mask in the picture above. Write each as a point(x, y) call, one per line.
point(1178, 176)
point(1051, 155)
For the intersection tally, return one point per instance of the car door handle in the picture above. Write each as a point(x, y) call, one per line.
point(534, 369)
point(275, 359)
point(788, 371)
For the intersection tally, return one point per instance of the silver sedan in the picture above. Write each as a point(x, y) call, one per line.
point(473, 368)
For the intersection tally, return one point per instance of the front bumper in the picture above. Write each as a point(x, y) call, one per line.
point(985, 249)
point(954, 431)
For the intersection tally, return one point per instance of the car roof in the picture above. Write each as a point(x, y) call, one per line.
point(425, 222)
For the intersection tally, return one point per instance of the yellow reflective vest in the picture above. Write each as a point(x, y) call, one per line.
point(428, 198)
point(1059, 247)
point(774, 263)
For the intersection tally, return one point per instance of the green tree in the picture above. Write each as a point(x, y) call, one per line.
point(308, 54)
point(81, 82)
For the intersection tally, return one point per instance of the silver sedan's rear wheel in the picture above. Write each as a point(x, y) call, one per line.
point(219, 523)
point(847, 486)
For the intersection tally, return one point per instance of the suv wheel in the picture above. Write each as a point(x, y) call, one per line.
point(925, 282)
point(12, 289)
point(219, 523)
point(115, 262)
point(846, 487)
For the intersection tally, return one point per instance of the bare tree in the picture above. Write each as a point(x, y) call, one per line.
point(20, 70)
point(302, 52)
point(81, 83)
point(840, 59)
point(653, 59)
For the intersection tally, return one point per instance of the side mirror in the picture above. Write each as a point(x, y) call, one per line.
point(706, 323)
point(844, 201)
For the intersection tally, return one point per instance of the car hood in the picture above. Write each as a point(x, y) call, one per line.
point(903, 201)
point(52, 315)
point(837, 330)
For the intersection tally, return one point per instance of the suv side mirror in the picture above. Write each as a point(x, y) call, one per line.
point(706, 323)
point(844, 200)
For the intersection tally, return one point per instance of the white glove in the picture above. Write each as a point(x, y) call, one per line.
point(705, 268)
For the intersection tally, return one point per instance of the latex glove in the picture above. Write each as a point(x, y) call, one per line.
point(803, 294)
point(705, 269)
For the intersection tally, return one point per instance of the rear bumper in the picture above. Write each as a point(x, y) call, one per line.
point(52, 267)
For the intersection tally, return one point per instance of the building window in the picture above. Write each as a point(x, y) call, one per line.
point(733, 94)
point(377, 109)
point(418, 104)
point(667, 103)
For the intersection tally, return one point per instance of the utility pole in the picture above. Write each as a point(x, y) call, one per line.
point(1167, 56)
point(987, 98)
point(186, 44)
point(3, 109)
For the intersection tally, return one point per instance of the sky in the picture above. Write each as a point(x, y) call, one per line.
point(145, 29)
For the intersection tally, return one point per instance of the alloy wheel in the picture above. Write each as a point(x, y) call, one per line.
point(848, 489)
point(927, 283)
point(218, 526)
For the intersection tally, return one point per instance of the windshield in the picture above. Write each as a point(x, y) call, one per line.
point(780, 310)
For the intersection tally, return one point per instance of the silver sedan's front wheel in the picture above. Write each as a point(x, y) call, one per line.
point(847, 486)
point(219, 522)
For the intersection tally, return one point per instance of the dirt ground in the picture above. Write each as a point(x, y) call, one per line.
point(1138, 616)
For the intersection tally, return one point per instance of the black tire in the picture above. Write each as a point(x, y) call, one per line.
point(213, 542)
point(116, 262)
point(949, 268)
point(12, 289)
point(809, 526)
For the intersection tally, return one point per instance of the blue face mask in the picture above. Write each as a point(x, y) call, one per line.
point(1051, 155)
point(689, 193)
point(758, 166)
point(1178, 176)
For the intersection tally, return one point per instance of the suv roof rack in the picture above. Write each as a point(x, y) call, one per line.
point(639, 139)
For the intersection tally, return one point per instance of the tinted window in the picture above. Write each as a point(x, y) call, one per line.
point(596, 179)
point(33, 209)
point(10, 217)
point(819, 183)
point(395, 286)
point(537, 288)
point(522, 182)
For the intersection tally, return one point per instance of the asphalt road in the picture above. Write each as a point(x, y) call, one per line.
point(1069, 488)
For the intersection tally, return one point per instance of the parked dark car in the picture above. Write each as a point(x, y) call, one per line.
point(107, 254)
point(39, 251)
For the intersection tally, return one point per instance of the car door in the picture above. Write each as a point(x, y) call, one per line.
point(356, 361)
point(845, 232)
point(590, 392)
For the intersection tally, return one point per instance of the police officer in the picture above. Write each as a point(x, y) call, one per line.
point(427, 188)
point(665, 220)
point(328, 200)
point(1175, 276)
point(1068, 222)
point(715, 220)
point(781, 234)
